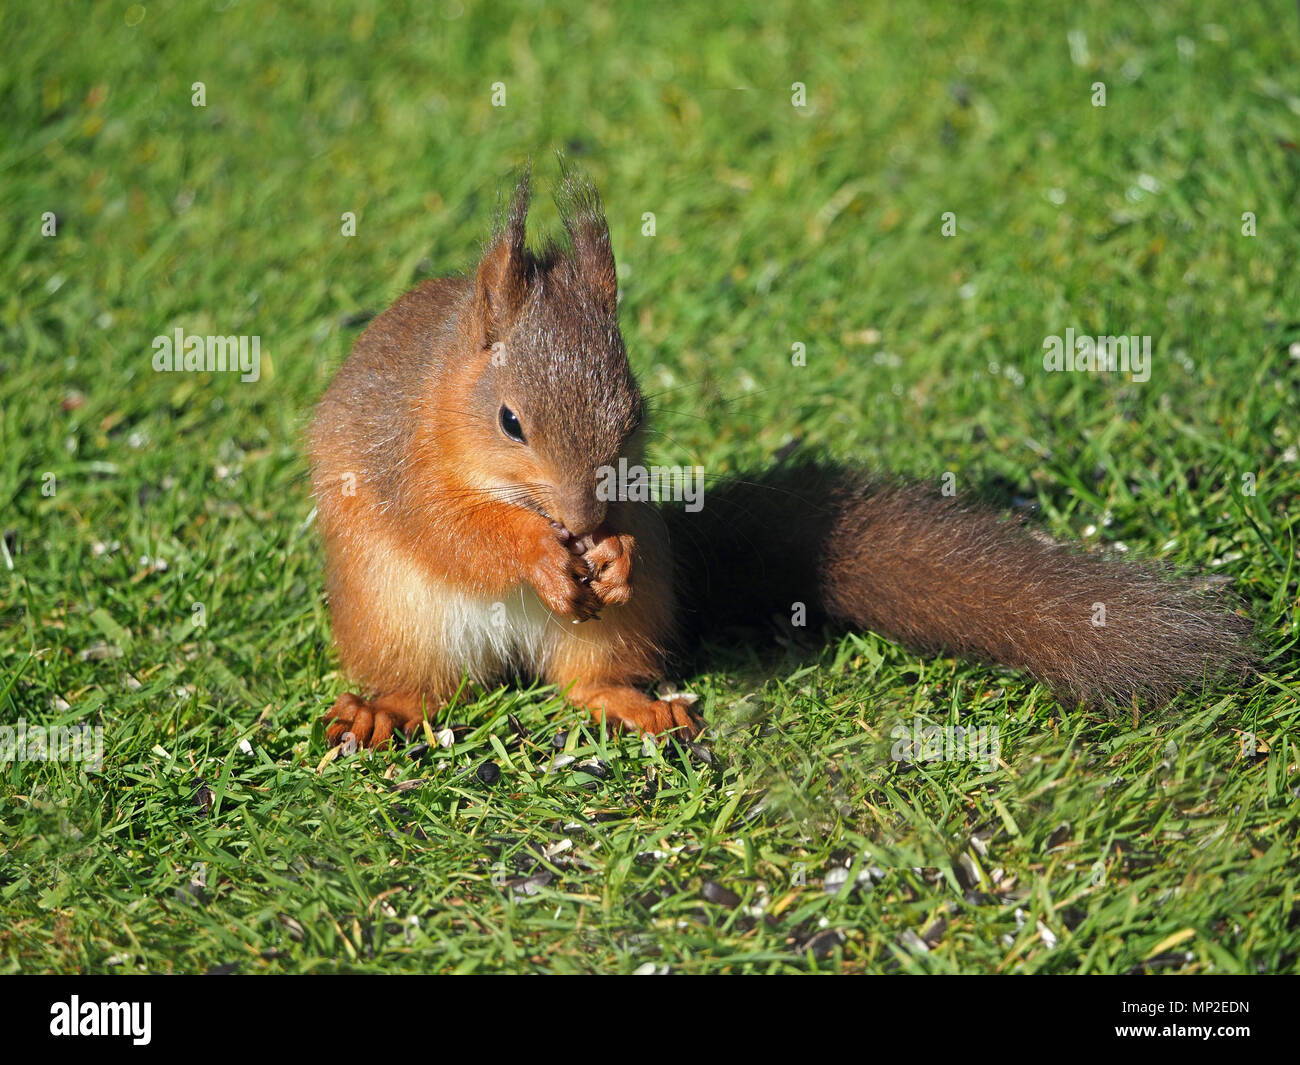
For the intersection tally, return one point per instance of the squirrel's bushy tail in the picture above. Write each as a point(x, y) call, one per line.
point(942, 574)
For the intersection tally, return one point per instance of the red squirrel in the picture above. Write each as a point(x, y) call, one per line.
point(455, 459)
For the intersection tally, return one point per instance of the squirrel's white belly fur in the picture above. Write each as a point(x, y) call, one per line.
point(488, 636)
point(482, 636)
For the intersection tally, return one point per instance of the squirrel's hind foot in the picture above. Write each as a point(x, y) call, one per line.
point(372, 722)
point(625, 707)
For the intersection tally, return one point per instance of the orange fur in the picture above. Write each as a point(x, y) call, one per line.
point(438, 563)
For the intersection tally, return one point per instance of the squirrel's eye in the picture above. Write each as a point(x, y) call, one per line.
point(510, 425)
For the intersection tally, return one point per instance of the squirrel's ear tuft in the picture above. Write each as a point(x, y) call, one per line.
point(502, 280)
point(593, 256)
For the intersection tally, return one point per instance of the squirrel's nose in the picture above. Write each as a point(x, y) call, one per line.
point(581, 515)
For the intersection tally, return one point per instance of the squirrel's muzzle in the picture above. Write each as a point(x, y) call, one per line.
point(580, 514)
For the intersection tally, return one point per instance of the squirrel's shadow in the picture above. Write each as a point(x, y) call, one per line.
point(777, 523)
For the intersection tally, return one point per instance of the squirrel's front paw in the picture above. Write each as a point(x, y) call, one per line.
point(610, 562)
point(563, 581)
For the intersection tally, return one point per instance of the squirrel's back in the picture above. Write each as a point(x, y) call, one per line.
point(369, 413)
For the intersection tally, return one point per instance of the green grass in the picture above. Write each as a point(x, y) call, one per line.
point(1093, 846)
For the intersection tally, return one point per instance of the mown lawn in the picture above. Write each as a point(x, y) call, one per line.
point(161, 577)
